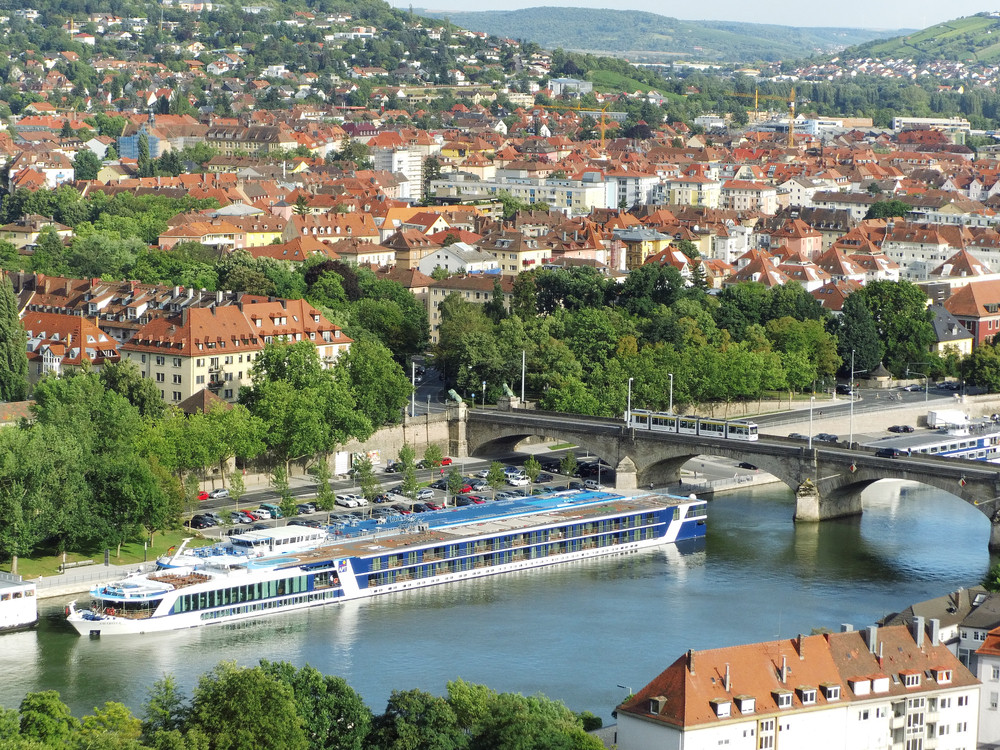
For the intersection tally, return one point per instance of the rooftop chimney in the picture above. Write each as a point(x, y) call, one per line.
point(918, 631)
point(872, 637)
point(784, 670)
point(728, 683)
point(935, 631)
point(801, 645)
point(690, 660)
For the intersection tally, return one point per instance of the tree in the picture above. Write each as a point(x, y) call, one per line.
point(415, 719)
point(455, 481)
point(364, 474)
point(408, 471)
point(301, 207)
point(334, 715)
point(86, 165)
point(44, 717)
point(268, 715)
point(496, 477)
point(13, 347)
point(145, 164)
point(532, 468)
point(887, 209)
point(567, 466)
point(325, 496)
point(125, 379)
point(433, 456)
point(377, 381)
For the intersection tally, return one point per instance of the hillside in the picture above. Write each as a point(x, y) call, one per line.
point(630, 32)
point(969, 39)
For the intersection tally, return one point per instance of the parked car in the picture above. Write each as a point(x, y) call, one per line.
point(273, 508)
point(576, 485)
point(517, 480)
point(349, 500)
point(914, 388)
point(901, 428)
point(550, 465)
point(203, 495)
point(391, 468)
point(462, 500)
point(505, 496)
point(483, 473)
point(480, 485)
point(305, 508)
point(844, 390)
point(544, 477)
point(199, 522)
point(797, 436)
point(440, 484)
point(827, 437)
point(215, 518)
point(312, 523)
point(476, 499)
point(384, 497)
point(261, 514)
point(889, 453)
point(446, 461)
point(401, 509)
point(424, 494)
point(433, 506)
point(592, 484)
point(220, 493)
point(746, 465)
point(240, 516)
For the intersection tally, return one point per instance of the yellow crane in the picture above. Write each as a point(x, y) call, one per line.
point(602, 123)
point(757, 96)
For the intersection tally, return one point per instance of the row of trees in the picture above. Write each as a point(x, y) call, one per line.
point(276, 706)
point(105, 461)
point(585, 336)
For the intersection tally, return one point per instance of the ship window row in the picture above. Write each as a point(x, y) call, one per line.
point(380, 577)
point(271, 604)
point(690, 511)
point(239, 594)
point(511, 541)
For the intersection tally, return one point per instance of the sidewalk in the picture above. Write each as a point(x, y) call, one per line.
point(81, 580)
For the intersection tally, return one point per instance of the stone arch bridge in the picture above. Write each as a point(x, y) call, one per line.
point(828, 479)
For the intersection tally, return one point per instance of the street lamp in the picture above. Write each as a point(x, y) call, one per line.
point(413, 389)
point(926, 376)
point(812, 400)
point(670, 409)
point(850, 440)
point(628, 407)
point(484, 394)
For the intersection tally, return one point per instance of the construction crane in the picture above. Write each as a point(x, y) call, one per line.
point(602, 124)
point(757, 96)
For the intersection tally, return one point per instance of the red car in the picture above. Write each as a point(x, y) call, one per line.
point(446, 461)
point(203, 495)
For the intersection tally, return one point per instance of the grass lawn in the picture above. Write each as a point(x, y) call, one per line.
point(561, 446)
point(47, 562)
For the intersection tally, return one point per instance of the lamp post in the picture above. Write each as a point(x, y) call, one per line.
point(484, 394)
point(812, 400)
point(413, 389)
point(628, 407)
point(670, 409)
point(926, 377)
point(523, 370)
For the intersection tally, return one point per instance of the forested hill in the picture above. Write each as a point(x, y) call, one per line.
point(629, 32)
point(969, 39)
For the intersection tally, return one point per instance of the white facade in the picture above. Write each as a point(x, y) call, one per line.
point(572, 197)
point(405, 161)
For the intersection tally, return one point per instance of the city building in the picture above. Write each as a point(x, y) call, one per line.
point(883, 688)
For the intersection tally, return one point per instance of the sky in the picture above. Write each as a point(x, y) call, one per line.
point(869, 14)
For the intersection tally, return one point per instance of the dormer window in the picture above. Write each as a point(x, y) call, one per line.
point(807, 695)
point(783, 698)
point(943, 676)
point(722, 707)
point(746, 704)
point(861, 686)
point(831, 692)
point(911, 680)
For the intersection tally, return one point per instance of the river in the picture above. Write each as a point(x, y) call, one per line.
point(573, 632)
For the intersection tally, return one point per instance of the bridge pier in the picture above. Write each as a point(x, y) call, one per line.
point(811, 507)
point(995, 532)
point(626, 475)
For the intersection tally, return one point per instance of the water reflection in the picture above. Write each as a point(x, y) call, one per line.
point(572, 632)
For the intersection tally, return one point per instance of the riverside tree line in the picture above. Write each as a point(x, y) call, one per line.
point(276, 706)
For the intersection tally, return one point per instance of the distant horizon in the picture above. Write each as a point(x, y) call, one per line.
point(886, 15)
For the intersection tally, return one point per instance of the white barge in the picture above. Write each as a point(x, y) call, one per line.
point(18, 603)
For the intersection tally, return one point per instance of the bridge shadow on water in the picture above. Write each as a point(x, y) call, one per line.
point(907, 533)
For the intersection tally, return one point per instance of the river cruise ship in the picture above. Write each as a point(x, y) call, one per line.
point(438, 547)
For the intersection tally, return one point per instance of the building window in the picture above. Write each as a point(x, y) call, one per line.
point(177, 395)
point(784, 700)
point(229, 393)
point(993, 701)
point(142, 358)
point(200, 362)
point(161, 360)
point(160, 377)
point(177, 379)
point(177, 361)
point(963, 700)
point(911, 680)
point(229, 359)
point(199, 379)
